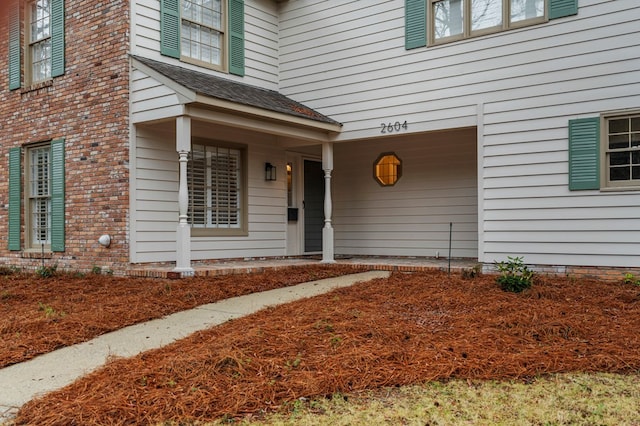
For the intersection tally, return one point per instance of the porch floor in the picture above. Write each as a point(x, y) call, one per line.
point(222, 267)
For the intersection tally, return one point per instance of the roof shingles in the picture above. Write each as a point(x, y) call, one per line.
point(221, 88)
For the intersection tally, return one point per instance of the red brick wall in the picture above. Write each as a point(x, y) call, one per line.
point(88, 106)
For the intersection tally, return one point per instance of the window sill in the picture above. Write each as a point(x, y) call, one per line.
point(218, 232)
point(37, 86)
point(192, 61)
point(619, 188)
point(37, 254)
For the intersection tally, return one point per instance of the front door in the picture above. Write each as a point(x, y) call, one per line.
point(313, 205)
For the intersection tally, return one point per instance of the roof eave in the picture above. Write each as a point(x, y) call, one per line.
point(228, 106)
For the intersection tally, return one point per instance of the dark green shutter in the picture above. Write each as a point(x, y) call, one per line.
point(15, 198)
point(562, 8)
point(584, 154)
point(14, 47)
point(57, 38)
point(415, 24)
point(57, 195)
point(170, 28)
point(236, 37)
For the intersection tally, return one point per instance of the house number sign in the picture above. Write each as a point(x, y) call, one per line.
point(393, 127)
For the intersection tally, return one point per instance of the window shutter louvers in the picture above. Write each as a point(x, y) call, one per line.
point(57, 38)
point(170, 28)
point(14, 47)
point(415, 24)
point(15, 197)
point(57, 195)
point(584, 154)
point(562, 8)
point(236, 37)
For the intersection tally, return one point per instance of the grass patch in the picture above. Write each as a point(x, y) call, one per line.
point(562, 399)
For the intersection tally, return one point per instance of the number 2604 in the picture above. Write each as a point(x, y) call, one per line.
point(393, 127)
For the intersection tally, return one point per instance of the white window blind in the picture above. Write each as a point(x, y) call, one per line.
point(214, 175)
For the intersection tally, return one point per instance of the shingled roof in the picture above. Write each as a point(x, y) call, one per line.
point(229, 90)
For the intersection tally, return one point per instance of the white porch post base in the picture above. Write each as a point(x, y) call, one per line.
point(327, 245)
point(183, 251)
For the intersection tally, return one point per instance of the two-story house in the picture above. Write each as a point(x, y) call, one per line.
point(190, 130)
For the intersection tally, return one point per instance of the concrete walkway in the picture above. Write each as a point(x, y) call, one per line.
point(22, 382)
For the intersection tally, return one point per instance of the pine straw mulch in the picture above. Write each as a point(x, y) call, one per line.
point(410, 328)
point(38, 315)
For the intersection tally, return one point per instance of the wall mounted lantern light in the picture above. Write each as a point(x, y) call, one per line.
point(269, 171)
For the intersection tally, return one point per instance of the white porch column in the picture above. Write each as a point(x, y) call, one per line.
point(183, 234)
point(327, 231)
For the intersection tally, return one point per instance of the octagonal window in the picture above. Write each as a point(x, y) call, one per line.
point(387, 169)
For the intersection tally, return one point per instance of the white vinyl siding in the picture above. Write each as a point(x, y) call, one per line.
point(261, 40)
point(151, 100)
point(520, 87)
point(438, 187)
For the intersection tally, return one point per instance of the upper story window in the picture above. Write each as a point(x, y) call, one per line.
point(39, 55)
point(202, 31)
point(441, 21)
point(44, 42)
point(456, 19)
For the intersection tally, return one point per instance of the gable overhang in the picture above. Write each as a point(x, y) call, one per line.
point(233, 114)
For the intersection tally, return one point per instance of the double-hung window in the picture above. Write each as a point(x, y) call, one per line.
point(216, 190)
point(38, 186)
point(204, 32)
point(622, 150)
point(604, 152)
point(42, 183)
point(44, 42)
point(39, 57)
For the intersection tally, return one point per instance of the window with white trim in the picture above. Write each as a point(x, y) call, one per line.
point(39, 196)
point(216, 187)
point(621, 148)
point(42, 197)
point(39, 33)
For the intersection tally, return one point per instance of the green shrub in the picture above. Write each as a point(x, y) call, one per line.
point(514, 275)
point(629, 278)
point(47, 271)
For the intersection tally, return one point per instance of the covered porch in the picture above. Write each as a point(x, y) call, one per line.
point(201, 185)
